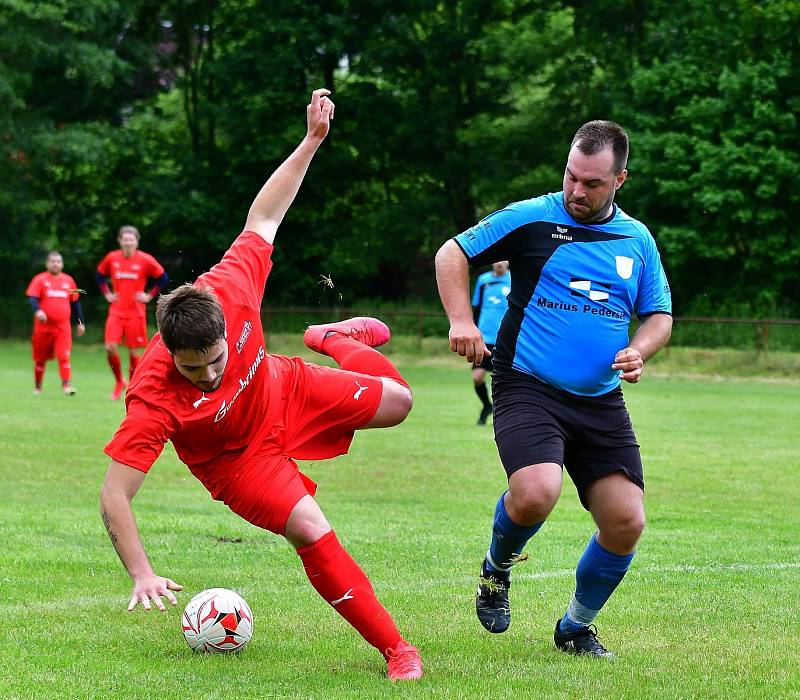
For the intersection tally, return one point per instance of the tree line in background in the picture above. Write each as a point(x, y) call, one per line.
point(170, 115)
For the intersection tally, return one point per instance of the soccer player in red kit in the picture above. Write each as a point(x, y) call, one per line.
point(128, 269)
point(239, 417)
point(53, 296)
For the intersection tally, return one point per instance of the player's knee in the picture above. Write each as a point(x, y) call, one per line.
point(396, 403)
point(532, 503)
point(111, 348)
point(303, 532)
point(626, 529)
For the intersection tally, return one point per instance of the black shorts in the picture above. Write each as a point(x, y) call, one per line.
point(486, 363)
point(590, 436)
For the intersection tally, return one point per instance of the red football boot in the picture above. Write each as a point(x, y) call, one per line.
point(404, 662)
point(364, 329)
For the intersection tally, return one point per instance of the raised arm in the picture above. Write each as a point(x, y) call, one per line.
point(276, 196)
point(121, 484)
point(452, 278)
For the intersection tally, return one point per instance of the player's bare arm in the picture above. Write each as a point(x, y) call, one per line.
point(652, 335)
point(277, 195)
point(452, 278)
point(121, 485)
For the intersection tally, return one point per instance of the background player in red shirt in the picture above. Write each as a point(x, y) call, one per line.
point(238, 417)
point(128, 270)
point(53, 296)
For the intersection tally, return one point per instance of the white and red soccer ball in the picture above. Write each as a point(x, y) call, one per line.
point(217, 621)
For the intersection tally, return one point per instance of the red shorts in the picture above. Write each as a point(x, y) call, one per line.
point(51, 341)
point(132, 328)
point(319, 410)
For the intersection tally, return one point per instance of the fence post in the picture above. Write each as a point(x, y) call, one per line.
point(762, 337)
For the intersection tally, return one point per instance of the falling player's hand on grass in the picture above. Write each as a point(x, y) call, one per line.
point(630, 364)
point(149, 589)
point(467, 341)
point(319, 114)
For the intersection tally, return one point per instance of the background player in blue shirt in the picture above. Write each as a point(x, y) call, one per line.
point(582, 268)
point(489, 305)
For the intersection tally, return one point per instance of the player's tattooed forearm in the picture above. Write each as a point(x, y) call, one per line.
point(107, 523)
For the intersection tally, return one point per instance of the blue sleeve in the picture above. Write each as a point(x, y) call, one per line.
point(160, 283)
point(101, 279)
point(496, 237)
point(654, 294)
point(34, 302)
point(77, 311)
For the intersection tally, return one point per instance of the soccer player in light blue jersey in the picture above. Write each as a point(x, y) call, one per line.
point(582, 269)
point(489, 305)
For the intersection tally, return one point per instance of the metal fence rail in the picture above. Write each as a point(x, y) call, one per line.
point(688, 330)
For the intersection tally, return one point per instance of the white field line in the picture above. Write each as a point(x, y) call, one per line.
point(520, 574)
point(119, 604)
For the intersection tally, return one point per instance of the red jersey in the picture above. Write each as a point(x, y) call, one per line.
point(212, 432)
point(128, 276)
point(54, 292)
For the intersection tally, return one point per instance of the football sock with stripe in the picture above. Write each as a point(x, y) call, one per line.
point(342, 583)
point(113, 362)
point(483, 394)
point(599, 572)
point(354, 356)
point(508, 539)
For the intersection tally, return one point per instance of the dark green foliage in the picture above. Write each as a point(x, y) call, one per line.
point(171, 115)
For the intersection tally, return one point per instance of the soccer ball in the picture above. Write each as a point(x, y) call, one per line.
point(216, 621)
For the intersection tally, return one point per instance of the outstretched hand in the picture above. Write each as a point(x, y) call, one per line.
point(150, 589)
point(319, 114)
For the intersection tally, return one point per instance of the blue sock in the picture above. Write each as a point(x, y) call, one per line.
point(598, 574)
point(508, 539)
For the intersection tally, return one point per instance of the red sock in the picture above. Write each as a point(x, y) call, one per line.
point(38, 375)
point(342, 583)
point(65, 369)
point(354, 356)
point(134, 365)
point(113, 362)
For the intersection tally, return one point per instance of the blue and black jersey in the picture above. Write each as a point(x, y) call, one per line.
point(490, 304)
point(574, 289)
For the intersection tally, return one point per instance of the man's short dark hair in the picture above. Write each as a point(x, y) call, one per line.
point(190, 318)
point(127, 228)
point(596, 135)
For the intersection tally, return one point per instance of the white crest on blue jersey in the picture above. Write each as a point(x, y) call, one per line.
point(624, 266)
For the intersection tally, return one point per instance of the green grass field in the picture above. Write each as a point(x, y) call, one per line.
point(709, 608)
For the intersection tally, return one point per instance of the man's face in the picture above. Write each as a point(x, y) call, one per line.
point(500, 268)
point(129, 243)
point(203, 369)
point(590, 184)
point(54, 264)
